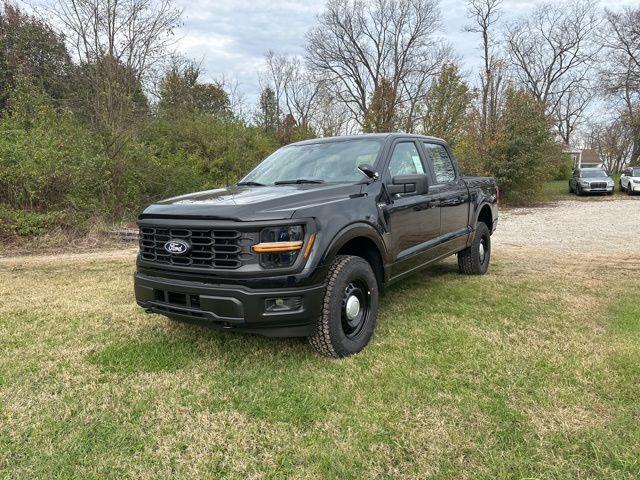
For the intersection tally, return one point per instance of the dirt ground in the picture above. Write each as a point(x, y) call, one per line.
point(601, 226)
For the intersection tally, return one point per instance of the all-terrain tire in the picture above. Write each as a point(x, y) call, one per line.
point(336, 334)
point(474, 260)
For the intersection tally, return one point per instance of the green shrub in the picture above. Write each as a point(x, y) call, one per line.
point(564, 167)
point(56, 171)
point(25, 223)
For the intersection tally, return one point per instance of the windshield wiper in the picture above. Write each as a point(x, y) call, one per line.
point(250, 184)
point(298, 181)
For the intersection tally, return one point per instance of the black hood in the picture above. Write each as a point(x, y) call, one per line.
point(252, 203)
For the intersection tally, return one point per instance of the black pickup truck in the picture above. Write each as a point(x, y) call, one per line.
point(304, 244)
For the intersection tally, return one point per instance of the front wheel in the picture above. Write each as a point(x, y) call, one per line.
point(349, 308)
point(474, 260)
point(629, 189)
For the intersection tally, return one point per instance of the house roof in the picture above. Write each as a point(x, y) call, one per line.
point(590, 155)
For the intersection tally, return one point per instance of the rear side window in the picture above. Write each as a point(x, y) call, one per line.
point(405, 160)
point(442, 164)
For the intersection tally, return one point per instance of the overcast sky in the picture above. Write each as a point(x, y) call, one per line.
point(231, 36)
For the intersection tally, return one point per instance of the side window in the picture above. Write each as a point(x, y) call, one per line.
point(405, 160)
point(442, 164)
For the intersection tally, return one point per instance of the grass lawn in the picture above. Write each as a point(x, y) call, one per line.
point(532, 371)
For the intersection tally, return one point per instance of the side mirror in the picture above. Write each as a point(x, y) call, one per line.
point(369, 171)
point(403, 184)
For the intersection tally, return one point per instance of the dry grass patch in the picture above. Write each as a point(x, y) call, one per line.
point(526, 372)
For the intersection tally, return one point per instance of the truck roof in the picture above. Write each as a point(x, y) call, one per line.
point(366, 135)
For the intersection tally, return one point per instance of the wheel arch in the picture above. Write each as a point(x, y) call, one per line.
point(485, 215)
point(364, 241)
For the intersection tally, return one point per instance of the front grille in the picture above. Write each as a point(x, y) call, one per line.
point(599, 185)
point(209, 248)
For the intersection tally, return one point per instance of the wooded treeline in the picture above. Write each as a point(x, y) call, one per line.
point(98, 117)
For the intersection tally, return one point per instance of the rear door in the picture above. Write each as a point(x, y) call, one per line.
point(452, 194)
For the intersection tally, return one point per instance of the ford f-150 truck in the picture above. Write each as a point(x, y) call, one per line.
point(303, 245)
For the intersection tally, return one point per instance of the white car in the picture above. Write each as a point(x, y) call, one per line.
point(630, 180)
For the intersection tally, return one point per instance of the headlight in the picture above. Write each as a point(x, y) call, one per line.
point(280, 246)
point(584, 183)
point(610, 182)
point(635, 181)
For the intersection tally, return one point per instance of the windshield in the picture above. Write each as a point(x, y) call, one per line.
point(319, 162)
point(593, 174)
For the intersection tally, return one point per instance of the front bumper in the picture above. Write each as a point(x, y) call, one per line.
point(231, 307)
point(596, 190)
point(635, 187)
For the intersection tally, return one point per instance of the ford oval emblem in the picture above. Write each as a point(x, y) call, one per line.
point(176, 247)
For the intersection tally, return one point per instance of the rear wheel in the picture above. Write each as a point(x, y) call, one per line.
point(349, 308)
point(474, 260)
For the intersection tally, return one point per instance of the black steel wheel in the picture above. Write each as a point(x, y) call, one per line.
point(474, 260)
point(355, 308)
point(349, 309)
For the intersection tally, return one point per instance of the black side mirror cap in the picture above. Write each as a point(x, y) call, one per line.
point(403, 184)
point(369, 171)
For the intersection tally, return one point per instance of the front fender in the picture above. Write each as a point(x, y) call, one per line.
point(355, 230)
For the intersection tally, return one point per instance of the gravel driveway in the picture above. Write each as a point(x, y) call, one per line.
point(595, 225)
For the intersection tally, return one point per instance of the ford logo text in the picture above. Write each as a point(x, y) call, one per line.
point(176, 247)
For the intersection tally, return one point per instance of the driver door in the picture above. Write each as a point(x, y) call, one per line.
point(413, 218)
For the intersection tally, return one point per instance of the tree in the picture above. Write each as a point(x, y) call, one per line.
point(295, 88)
point(446, 106)
point(525, 154)
point(485, 14)
point(358, 45)
point(181, 93)
point(620, 75)
point(614, 143)
point(29, 48)
point(382, 115)
point(331, 117)
point(570, 108)
point(118, 44)
point(553, 49)
point(268, 115)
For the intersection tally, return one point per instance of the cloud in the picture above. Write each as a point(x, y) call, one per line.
point(232, 36)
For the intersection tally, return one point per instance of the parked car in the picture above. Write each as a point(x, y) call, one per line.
point(630, 180)
point(591, 180)
point(304, 243)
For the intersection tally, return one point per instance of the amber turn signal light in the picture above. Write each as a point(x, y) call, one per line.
point(276, 247)
point(307, 250)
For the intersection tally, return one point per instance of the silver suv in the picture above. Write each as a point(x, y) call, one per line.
point(590, 180)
